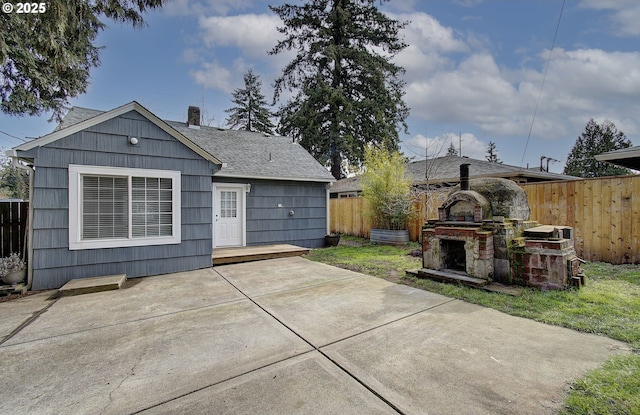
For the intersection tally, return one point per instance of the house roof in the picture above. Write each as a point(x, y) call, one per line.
point(625, 157)
point(241, 154)
point(445, 170)
point(256, 155)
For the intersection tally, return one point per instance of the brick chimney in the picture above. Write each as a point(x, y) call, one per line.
point(193, 117)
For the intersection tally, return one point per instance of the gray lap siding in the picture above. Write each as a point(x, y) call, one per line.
point(269, 224)
point(107, 144)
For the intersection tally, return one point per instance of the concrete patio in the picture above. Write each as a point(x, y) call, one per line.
point(281, 336)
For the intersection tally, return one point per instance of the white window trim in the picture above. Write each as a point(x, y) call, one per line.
point(75, 207)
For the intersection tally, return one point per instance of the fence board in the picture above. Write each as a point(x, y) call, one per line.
point(604, 213)
point(13, 226)
point(634, 227)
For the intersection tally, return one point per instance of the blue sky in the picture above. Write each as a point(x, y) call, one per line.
point(474, 70)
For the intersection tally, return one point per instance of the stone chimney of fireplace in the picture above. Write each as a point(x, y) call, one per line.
point(464, 176)
point(193, 117)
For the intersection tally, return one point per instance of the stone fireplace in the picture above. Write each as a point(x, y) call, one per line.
point(483, 234)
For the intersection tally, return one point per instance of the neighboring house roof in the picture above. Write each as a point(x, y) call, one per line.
point(446, 170)
point(625, 157)
point(241, 154)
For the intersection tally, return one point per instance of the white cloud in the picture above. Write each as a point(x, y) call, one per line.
point(429, 42)
point(581, 84)
point(214, 76)
point(427, 34)
point(253, 34)
point(625, 14)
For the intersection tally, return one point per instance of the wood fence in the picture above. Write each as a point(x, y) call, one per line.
point(13, 227)
point(604, 213)
point(348, 215)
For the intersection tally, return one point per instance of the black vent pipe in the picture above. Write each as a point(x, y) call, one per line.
point(464, 176)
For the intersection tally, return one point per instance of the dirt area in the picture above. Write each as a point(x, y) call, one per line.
point(11, 297)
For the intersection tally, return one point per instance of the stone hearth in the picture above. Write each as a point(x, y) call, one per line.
point(484, 232)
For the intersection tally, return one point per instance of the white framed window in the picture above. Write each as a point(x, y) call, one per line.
point(116, 207)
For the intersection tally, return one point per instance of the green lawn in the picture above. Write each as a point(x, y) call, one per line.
point(609, 305)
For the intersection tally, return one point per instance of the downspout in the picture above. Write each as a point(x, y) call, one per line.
point(31, 173)
point(328, 209)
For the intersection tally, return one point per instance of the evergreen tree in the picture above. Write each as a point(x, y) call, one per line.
point(250, 112)
point(45, 57)
point(492, 154)
point(451, 151)
point(596, 139)
point(348, 92)
point(14, 182)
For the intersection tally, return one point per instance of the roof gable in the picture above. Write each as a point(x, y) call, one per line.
point(84, 118)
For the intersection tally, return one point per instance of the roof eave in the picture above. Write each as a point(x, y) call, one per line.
point(629, 158)
point(257, 177)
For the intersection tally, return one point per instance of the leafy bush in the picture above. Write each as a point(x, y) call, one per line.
point(387, 189)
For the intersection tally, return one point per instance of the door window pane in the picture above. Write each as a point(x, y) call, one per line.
point(228, 204)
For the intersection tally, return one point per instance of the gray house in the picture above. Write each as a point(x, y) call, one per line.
point(444, 172)
point(124, 192)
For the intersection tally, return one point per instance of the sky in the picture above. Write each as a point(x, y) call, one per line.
point(477, 71)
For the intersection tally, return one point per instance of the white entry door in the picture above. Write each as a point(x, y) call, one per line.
point(228, 216)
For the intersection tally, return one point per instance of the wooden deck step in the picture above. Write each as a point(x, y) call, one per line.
point(92, 285)
point(223, 256)
point(445, 276)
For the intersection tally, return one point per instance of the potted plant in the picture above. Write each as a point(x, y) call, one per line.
point(12, 269)
point(333, 239)
point(390, 199)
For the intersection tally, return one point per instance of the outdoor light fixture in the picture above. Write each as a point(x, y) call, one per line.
point(133, 141)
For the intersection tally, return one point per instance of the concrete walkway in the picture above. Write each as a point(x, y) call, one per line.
point(283, 336)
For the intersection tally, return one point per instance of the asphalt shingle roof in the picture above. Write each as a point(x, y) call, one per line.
point(447, 170)
point(249, 154)
point(444, 169)
point(76, 115)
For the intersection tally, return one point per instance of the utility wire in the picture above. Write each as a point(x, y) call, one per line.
point(544, 78)
point(13, 136)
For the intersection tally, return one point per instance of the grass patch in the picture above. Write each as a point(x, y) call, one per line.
point(608, 305)
point(610, 390)
point(355, 254)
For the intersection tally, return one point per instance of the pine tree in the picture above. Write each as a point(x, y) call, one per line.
point(251, 112)
point(492, 154)
point(45, 57)
point(451, 151)
point(348, 94)
point(596, 139)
